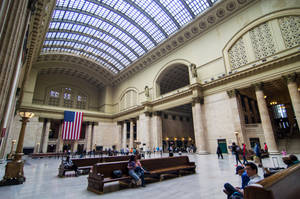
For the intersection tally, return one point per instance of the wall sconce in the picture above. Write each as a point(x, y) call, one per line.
point(175, 138)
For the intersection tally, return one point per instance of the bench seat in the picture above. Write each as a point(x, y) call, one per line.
point(157, 167)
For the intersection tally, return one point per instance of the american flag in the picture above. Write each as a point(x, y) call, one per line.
point(72, 125)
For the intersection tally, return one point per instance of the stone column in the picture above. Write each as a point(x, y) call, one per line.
point(157, 130)
point(93, 146)
point(88, 137)
point(265, 120)
point(119, 136)
point(294, 95)
point(145, 130)
point(238, 117)
point(60, 142)
point(200, 139)
point(75, 146)
point(124, 135)
point(45, 136)
point(131, 134)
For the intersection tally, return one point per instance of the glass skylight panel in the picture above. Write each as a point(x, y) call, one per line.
point(198, 6)
point(113, 32)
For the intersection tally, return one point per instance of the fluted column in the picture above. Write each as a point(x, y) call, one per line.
point(145, 129)
point(119, 136)
point(294, 95)
point(75, 146)
point(45, 136)
point(265, 120)
point(237, 117)
point(124, 135)
point(200, 139)
point(88, 137)
point(157, 130)
point(131, 135)
point(60, 142)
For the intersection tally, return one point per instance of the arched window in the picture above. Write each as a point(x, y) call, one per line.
point(129, 99)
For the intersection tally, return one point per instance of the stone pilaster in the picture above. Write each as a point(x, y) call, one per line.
point(200, 139)
point(131, 134)
point(75, 146)
point(60, 142)
point(294, 95)
point(124, 135)
point(119, 135)
point(265, 120)
point(238, 116)
point(88, 137)
point(157, 130)
point(45, 139)
point(145, 129)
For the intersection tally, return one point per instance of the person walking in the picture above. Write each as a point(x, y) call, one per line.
point(236, 150)
point(245, 161)
point(219, 152)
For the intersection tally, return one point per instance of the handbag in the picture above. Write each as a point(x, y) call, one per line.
point(117, 173)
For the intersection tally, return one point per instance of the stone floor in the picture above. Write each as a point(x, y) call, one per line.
point(211, 173)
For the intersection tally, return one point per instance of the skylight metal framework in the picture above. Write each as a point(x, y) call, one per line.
point(115, 33)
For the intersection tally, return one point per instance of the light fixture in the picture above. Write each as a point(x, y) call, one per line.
point(26, 114)
point(265, 96)
point(167, 138)
point(175, 138)
point(182, 139)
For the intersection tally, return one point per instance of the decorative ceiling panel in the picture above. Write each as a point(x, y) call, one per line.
point(116, 33)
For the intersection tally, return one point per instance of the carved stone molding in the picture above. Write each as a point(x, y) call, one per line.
point(148, 114)
point(232, 93)
point(290, 78)
point(157, 113)
point(258, 86)
point(197, 100)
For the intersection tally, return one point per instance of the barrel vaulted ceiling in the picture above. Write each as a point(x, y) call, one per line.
point(115, 33)
point(120, 37)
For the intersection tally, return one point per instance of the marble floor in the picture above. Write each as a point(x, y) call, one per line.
point(211, 174)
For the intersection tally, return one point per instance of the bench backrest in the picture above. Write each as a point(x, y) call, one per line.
point(107, 169)
point(282, 185)
point(167, 162)
point(82, 162)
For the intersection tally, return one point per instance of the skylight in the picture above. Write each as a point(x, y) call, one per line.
point(115, 33)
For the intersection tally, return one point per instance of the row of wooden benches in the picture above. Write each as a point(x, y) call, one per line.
point(281, 185)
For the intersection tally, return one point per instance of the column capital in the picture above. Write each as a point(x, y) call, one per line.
point(148, 114)
point(119, 122)
point(197, 100)
point(232, 93)
point(290, 78)
point(258, 86)
point(157, 113)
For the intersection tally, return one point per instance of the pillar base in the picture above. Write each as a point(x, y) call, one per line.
point(13, 173)
point(202, 152)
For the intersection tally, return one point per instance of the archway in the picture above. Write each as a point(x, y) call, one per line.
point(173, 78)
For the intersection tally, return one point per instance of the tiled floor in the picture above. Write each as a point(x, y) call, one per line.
point(42, 182)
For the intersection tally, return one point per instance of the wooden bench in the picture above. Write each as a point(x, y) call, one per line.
point(282, 185)
point(49, 155)
point(157, 167)
point(85, 164)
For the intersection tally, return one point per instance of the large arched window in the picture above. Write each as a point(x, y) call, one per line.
point(66, 97)
point(173, 78)
point(128, 99)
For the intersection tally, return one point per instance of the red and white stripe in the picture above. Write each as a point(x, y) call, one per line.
point(72, 130)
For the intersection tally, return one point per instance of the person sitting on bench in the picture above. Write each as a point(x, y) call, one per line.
point(68, 164)
point(229, 189)
point(136, 171)
point(251, 170)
